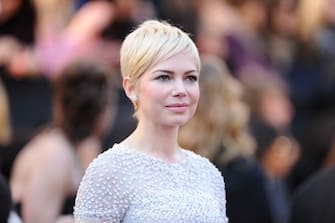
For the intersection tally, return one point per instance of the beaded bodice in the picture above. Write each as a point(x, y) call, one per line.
point(126, 185)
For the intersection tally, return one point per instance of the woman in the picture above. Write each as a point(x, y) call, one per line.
point(148, 177)
point(48, 170)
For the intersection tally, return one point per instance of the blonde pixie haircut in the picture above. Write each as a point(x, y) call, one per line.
point(152, 42)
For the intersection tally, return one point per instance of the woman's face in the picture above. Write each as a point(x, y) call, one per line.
point(168, 93)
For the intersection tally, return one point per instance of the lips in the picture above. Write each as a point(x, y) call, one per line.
point(178, 107)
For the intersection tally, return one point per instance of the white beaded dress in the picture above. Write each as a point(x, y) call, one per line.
point(126, 185)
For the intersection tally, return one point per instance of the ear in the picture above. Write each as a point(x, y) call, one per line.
point(129, 89)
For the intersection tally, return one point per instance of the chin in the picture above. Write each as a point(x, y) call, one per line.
point(178, 122)
point(175, 120)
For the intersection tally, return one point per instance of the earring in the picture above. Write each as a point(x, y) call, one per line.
point(134, 98)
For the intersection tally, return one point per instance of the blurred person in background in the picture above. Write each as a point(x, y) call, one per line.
point(314, 200)
point(311, 80)
point(58, 33)
point(17, 33)
point(219, 131)
point(47, 171)
point(246, 41)
point(215, 19)
point(17, 21)
point(277, 154)
point(63, 32)
point(277, 151)
point(281, 34)
point(271, 108)
point(28, 100)
point(78, 36)
point(269, 99)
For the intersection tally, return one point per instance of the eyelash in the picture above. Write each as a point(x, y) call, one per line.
point(192, 78)
point(163, 77)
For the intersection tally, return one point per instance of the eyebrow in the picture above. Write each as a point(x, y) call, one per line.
point(171, 72)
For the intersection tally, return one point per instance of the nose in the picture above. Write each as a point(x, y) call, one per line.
point(179, 88)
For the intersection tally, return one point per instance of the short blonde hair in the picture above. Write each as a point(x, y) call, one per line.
point(152, 42)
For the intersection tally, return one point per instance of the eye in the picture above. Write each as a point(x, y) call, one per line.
point(192, 78)
point(163, 77)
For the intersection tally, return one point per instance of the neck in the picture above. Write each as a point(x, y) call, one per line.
point(160, 142)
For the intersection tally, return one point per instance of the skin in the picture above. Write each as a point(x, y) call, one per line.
point(167, 94)
point(46, 172)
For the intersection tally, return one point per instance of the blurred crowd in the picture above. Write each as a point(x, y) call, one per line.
point(266, 115)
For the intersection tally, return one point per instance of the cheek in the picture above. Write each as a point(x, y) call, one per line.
point(151, 94)
point(195, 95)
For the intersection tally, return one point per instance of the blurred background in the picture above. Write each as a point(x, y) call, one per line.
point(276, 59)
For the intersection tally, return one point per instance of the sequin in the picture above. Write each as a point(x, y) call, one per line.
point(125, 185)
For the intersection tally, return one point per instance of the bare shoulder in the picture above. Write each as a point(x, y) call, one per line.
point(44, 159)
point(46, 150)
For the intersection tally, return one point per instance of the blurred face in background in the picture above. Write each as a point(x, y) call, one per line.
point(284, 17)
point(255, 14)
point(276, 108)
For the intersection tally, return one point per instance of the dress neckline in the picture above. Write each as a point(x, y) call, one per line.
point(147, 156)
